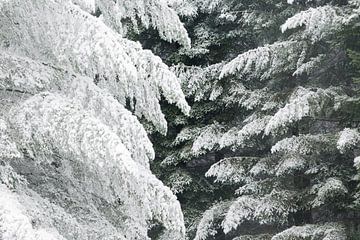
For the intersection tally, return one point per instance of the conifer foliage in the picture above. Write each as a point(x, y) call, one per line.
point(74, 155)
point(268, 150)
point(271, 130)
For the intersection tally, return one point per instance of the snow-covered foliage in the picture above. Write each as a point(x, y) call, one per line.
point(262, 168)
point(152, 74)
point(318, 22)
point(28, 76)
point(290, 164)
point(310, 66)
point(75, 163)
point(102, 105)
point(328, 191)
point(48, 122)
point(265, 210)
point(87, 5)
point(269, 60)
point(159, 15)
point(302, 103)
point(208, 5)
point(185, 8)
point(236, 137)
point(274, 79)
point(14, 224)
point(179, 181)
point(186, 134)
point(208, 226)
point(207, 139)
point(50, 218)
point(252, 187)
point(329, 231)
point(75, 160)
point(246, 98)
point(119, 64)
point(8, 148)
point(199, 82)
point(266, 61)
point(305, 144)
point(256, 19)
point(10, 178)
point(348, 139)
point(154, 13)
point(231, 170)
point(254, 237)
point(357, 162)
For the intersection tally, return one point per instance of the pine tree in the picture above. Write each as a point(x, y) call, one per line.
point(75, 159)
point(271, 121)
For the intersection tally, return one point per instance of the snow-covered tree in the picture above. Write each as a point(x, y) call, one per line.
point(271, 120)
point(75, 159)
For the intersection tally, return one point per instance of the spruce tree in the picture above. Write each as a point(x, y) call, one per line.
point(272, 121)
point(75, 159)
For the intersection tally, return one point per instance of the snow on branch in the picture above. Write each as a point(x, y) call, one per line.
point(208, 139)
point(310, 231)
point(186, 134)
point(249, 99)
point(309, 66)
point(302, 103)
point(149, 13)
point(357, 162)
point(8, 148)
point(67, 36)
point(158, 14)
point(348, 139)
point(63, 33)
point(295, 1)
point(331, 189)
point(240, 136)
point(241, 210)
point(263, 167)
point(179, 181)
point(87, 5)
point(100, 104)
point(290, 164)
point(26, 75)
point(49, 217)
point(14, 224)
point(319, 22)
point(272, 208)
point(305, 144)
point(185, 8)
point(48, 122)
point(254, 237)
point(211, 220)
point(265, 61)
point(231, 170)
point(200, 82)
point(208, 6)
